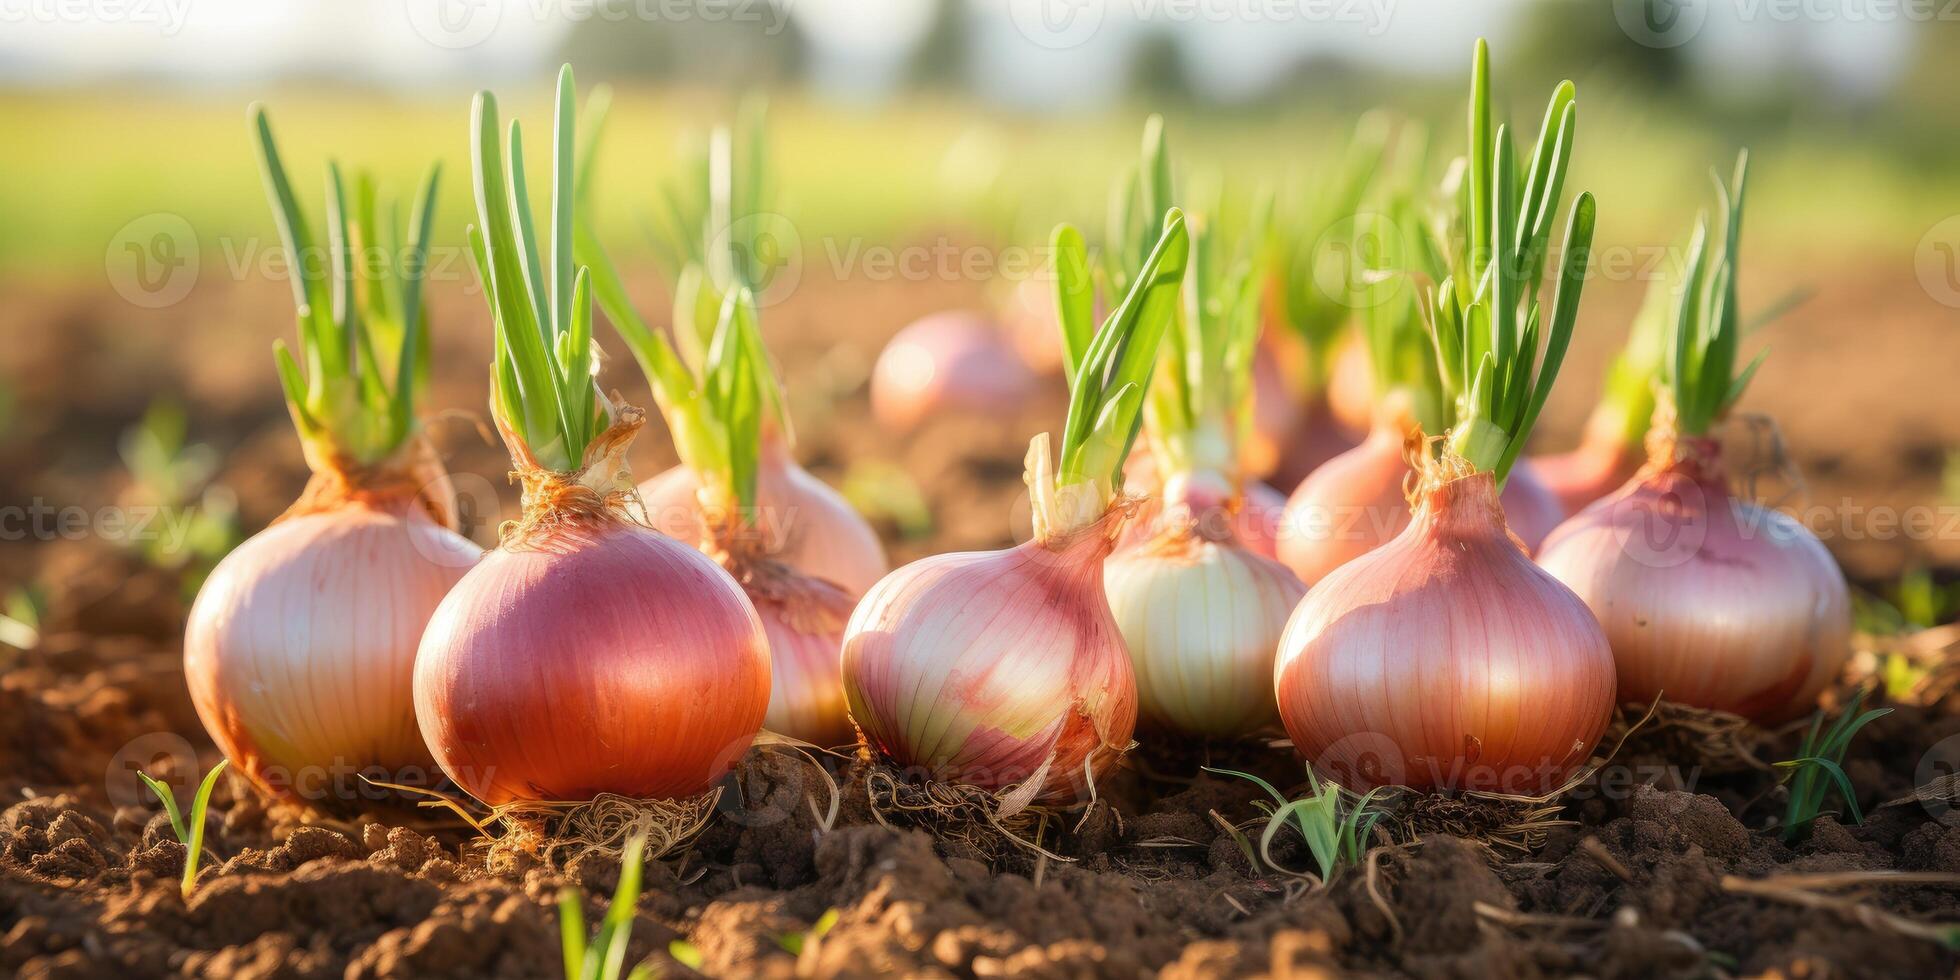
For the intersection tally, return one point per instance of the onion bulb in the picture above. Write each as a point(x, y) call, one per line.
point(803, 522)
point(587, 653)
point(1708, 600)
point(953, 361)
point(996, 668)
point(300, 648)
point(1358, 500)
point(1445, 659)
point(1201, 616)
point(299, 651)
point(1005, 668)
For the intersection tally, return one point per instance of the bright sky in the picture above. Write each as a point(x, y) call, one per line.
point(1029, 52)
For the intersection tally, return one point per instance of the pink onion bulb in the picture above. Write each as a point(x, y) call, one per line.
point(806, 632)
point(1708, 600)
point(996, 668)
point(1201, 619)
point(1358, 500)
point(953, 361)
point(588, 655)
point(1445, 659)
point(300, 649)
point(802, 521)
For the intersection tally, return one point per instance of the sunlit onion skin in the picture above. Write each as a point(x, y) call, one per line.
point(1201, 619)
point(804, 523)
point(1358, 500)
point(300, 649)
point(1601, 463)
point(1445, 659)
point(953, 361)
point(604, 658)
point(993, 668)
point(1708, 600)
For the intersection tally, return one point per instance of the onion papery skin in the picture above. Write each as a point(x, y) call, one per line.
point(1601, 464)
point(1358, 500)
point(1445, 659)
point(1201, 620)
point(601, 657)
point(954, 361)
point(1708, 600)
point(990, 669)
point(802, 521)
point(300, 648)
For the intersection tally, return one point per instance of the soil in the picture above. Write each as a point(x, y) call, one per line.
point(1630, 884)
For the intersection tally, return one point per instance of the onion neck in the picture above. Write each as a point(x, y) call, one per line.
point(413, 475)
point(1693, 457)
point(1457, 501)
point(598, 494)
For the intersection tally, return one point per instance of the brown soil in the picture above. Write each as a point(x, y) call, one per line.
point(1633, 886)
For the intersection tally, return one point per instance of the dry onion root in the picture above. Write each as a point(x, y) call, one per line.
point(1709, 600)
point(588, 653)
point(300, 649)
point(1446, 659)
point(1004, 668)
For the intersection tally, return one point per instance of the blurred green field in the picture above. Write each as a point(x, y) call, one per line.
point(82, 165)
